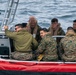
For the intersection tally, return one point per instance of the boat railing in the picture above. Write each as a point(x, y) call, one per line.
point(58, 36)
point(36, 62)
point(10, 12)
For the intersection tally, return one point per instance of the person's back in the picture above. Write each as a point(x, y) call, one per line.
point(48, 48)
point(68, 46)
point(23, 42)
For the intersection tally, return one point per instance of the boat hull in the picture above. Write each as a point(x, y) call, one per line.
point(14, 67)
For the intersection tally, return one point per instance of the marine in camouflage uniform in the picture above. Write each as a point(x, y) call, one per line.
point(59, 31)
point(23, 42)
point(68, 47)
point(48, 48)
point(34, 28)
point(56, 30)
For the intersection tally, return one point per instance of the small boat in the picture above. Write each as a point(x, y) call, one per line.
point(14, 67)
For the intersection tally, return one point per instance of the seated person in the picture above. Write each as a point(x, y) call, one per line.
point(34, 28)
point(47, 49)
point(11, 40)
point(23, 41)
point(55, 29)
point(68, 46)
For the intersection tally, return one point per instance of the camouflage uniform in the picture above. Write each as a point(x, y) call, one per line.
point(68, 48)
point(22, 55)
point(23, 42)
point(31, 30)
point(48, 47)
point(59, 32)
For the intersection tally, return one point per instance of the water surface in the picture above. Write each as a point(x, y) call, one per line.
point(44, 11)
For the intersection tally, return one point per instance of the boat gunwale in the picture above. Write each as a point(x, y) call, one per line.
point(37, 62)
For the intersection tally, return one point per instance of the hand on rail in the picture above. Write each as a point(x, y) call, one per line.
point(5, 27)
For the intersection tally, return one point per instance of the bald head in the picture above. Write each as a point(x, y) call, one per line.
point(32, 21)
point(32, 17)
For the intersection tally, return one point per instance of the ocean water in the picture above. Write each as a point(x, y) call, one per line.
point(44, 11)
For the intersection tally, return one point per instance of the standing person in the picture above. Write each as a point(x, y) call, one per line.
point(55, 29)
point(47, 49)
point(23, 41)
point(68, 46)
point(34, 28)
point(74, 25)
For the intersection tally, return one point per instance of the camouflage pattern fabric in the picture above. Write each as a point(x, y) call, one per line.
point(68, 48)
point(22, 56)
point(35, 31)
point(59, 31)
point(48, 47)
